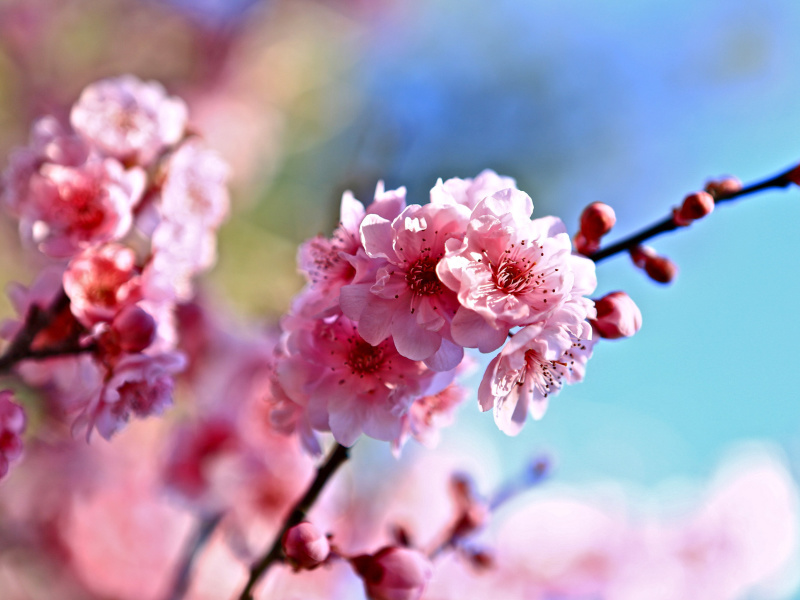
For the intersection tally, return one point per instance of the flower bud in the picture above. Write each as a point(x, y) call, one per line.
point(721, 188)
point(585, 246)
point(617, 316)
point(597, 220)
point(695, 206)
point(394, 573)
point(135, 329)
point(661, 269)
point(658, 268)
point(305, 547)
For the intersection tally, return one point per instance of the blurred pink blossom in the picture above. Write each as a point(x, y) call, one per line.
point(100, 281)
point(71, 208)
point(129, 119)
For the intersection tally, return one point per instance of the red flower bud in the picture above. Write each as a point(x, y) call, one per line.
point(597, 220)
point(658, 268)
point(695, 206)
point(721, 188)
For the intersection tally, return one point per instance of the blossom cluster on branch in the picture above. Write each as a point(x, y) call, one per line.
point(122, 205)
point(399, 291)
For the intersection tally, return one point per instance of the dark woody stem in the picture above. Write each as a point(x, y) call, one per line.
point(336, 458)
point(781, 180)
point(36, 321)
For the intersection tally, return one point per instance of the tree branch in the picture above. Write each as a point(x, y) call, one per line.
point(781, 180)
point(336, 458)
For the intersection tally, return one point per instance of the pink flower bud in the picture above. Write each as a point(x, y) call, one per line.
point(305, 547)
point(617, 316)
point(394, 573)
point(585, 246)
point(135, 329)
point(597, 220)
point(658, 268)
point(695, 206)
point(721, 188)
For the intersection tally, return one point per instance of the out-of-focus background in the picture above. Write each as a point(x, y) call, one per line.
point(631, 103)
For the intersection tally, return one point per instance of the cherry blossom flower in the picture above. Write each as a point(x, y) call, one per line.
point(129, 119)
point(535, 363)
point(329, 264)
point(346, 385)
point(139, 384)
point(195, 188)
point(469, 192)
point(510, 271)
point(12, 425)
point(71, 208)
point(407, 300)
point(100, 281)
point(50, 143)
point(180, 251)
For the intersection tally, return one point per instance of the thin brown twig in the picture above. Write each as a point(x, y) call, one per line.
point(36, 321)
point(336, 458)
point(781, 180)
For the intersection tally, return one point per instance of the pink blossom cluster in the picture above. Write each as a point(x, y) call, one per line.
point(123, 203)
point(399, 291)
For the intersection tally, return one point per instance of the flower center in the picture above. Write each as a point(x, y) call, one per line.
point(364, 358)
point(327, 263)
point(513, 275)
point(421, 277)
point(83, 203)
point(547, 374)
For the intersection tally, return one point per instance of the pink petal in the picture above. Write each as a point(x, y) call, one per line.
point(375, 322)
point(447, 357)
point(353, 299)
point(377, 236)
point(469, 329)
point(411, 340)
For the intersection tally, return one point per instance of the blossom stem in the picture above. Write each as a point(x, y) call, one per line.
point(199, 538)
point(781, 180)
point(336, 458)
point(36, 321)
